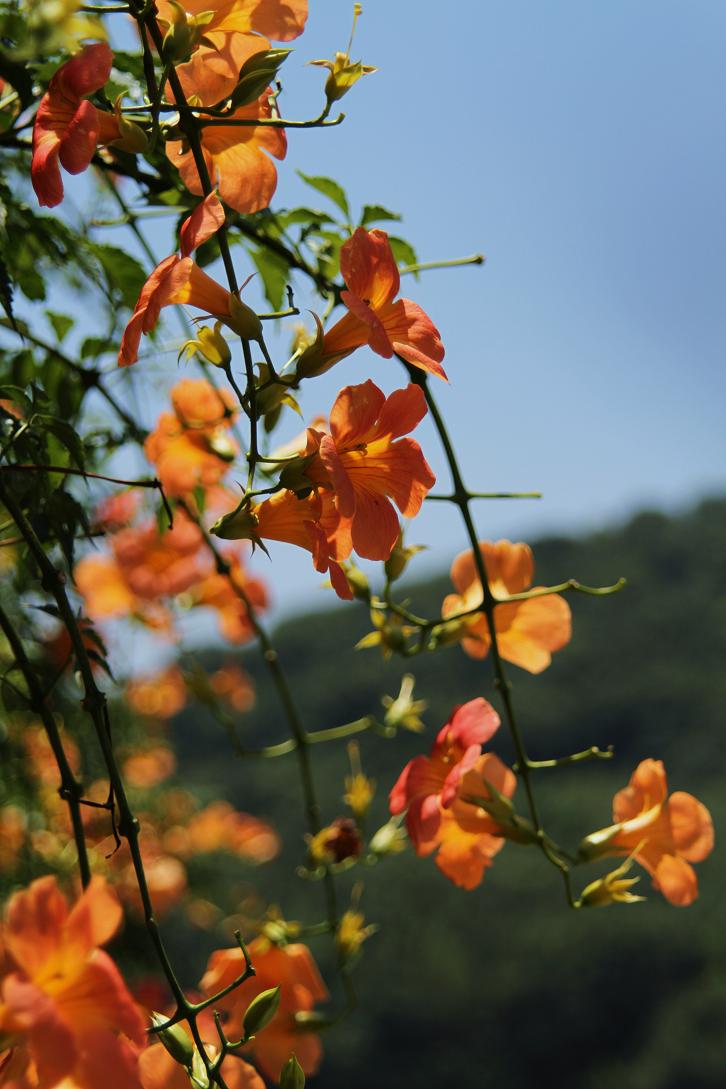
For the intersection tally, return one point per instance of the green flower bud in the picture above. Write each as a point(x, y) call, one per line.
point(256, 75)
point(175, 1040)
point(260, 1011)
point(243, 320)
point(292, 1075)
point(238, 525)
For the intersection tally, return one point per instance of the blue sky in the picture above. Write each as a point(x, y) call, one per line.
point(581, 146)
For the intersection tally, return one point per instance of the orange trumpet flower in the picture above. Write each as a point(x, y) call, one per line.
point(311, 523)
point(281, 20)
point(293, 969)
point(179, 280)
point(237, 156)
point(68, 128)
point(61, 998)
point(364, 460)
point(429, 791)
point(374, 318)
point(190, 447)
point(664, 834)
point(527, 631)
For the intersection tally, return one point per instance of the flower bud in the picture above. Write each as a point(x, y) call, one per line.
point(260, 1011)
point(238, 525)
point(597, 844)
point(175, 1040)
point(243, 320)
point(390, 839)
point(256, 75)
point(292, 1075)
point(399, 559)
point(184, 33)
point(132, 137)
point(357, 581)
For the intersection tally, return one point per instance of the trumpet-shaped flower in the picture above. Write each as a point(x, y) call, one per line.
point(190, 447)
point(179, 280)
point(374, 315)
point(429, 791)
point(61, 998)
point(527, 631)
point(364, 461)
point(281, 20)
point(293, 969)
point(311, 523)
point(237, 156)
point(664, 834)
point(68, 127)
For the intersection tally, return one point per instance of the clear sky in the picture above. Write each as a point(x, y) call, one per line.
point(581, 145)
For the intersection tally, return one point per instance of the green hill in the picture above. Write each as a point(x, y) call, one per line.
point(505, 986)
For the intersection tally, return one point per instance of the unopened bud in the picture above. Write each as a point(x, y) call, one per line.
point(184, 33)
point(597, 844)
point(453, 631)
point(238, 525)
point(357, 581)
point(390, 839)
point(243, 320)
point(292, 1075)
point(256, 75)
point(260, 1011)
point(175, 1040)
point(400, 558)
point(132, 137)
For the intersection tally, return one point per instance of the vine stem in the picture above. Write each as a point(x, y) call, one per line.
point(70, 789)
point(95, 705)
point(460, 498)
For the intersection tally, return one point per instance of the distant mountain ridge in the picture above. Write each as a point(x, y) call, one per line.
point(506, 986)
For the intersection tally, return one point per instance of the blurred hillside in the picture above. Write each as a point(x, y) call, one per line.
point(505, 986)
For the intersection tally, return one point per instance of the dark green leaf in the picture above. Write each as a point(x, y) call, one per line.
point(275, 272)
point(62, 323)
point(329, 189)
point(376, 213)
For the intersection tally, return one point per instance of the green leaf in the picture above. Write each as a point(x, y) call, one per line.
point(93, 347)
point(376, 213)
point(275, 272)
point(67, 436)
point(303, 215)
point(329, 189)
point(403, 251)
point(62, 323)
point(124, 275)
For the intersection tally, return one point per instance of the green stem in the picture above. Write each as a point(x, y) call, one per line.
point(453, 262)
point(70, 789)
